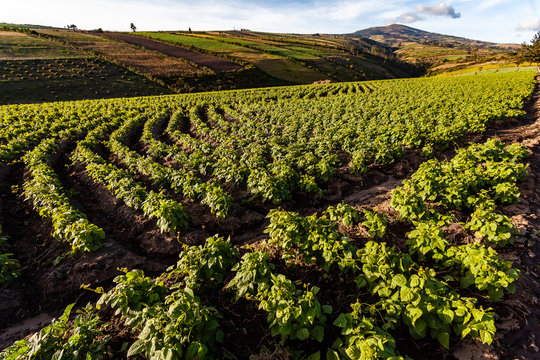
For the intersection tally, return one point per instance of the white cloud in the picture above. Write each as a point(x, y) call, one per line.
point(529, 25)
point(439, 10)
point(406, 18)
point(487, 4)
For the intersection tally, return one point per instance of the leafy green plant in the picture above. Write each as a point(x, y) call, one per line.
point(133, 292)
point(316, 239)
point(362, 340)
point(205, 264)
point(179, 328)
point(481, 266)
point(84, 339)
point(344, 213)
point(375, 223)
point(293, 313)
point(217, 199)
point(413, 296)
point(252, 275)
point(488, 225)
point(427, 240)
point(169, 326)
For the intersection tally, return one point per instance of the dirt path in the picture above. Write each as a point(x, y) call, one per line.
point(214, 63)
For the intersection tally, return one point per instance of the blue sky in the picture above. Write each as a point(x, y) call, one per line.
point(490, 20)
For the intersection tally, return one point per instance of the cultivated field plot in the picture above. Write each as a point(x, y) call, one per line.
point(295, 54)
point(271, 47)
point(263, 223)
point(486, 68)
point(20, 46)
point(32, 81)
point(211, 62)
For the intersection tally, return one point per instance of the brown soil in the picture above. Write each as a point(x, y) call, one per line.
point(212, 62)
point(43, 289)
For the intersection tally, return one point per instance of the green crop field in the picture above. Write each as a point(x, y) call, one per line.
point(197, 42)
point(274, 65)
point(193, 224)
point(266, 48)
point(491, 68)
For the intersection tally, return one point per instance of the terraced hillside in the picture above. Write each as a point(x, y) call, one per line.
point(146, 62)
point(263, 222)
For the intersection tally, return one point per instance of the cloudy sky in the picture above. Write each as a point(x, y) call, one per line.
point(490, 20)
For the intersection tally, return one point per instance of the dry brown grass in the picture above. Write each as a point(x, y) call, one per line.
point(11, 33)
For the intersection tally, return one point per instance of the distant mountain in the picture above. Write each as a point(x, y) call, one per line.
point(434, 52)
point(396, 35)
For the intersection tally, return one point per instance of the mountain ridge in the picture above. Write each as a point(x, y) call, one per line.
point(394, 34)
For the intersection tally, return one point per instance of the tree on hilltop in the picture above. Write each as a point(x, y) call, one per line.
point(133, 27)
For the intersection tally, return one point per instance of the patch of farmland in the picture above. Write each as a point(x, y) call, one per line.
point(212, 62)
point(21, 46)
